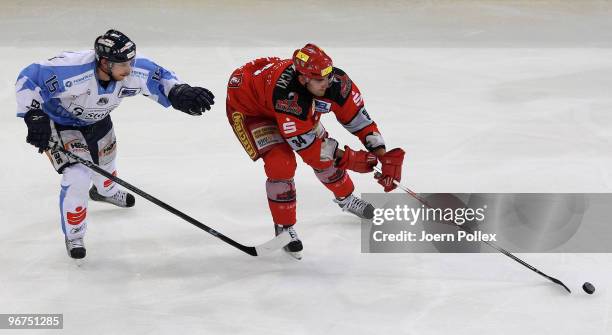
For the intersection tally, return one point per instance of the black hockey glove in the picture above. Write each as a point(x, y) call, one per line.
point(191, 100)
point(39, 129)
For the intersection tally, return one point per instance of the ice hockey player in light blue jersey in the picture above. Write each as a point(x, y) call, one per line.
point(66, 102)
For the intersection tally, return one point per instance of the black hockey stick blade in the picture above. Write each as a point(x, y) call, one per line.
point(276, 243)
point(557, 281)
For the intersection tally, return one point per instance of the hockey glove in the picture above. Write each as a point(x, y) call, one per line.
point(359, 161)
point(39, 129)
point(391, 168)
point(191, 100)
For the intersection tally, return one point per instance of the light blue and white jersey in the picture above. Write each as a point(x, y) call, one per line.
point(66, 88)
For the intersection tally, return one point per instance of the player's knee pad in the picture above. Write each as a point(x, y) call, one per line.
point(336, 180)
point(282, 200)
point(279, 163)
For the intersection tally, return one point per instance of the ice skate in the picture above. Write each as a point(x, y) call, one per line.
point(294, 248)
point(356, 206)
point(121, 198)
point(75, 248)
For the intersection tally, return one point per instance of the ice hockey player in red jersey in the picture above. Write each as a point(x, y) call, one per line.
point(274, 107)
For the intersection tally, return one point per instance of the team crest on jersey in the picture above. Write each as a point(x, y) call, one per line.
point(290, 105)
point(128, 92)
point(102, 101)
point(235, 81)
point(345, 85)
point(321, 106)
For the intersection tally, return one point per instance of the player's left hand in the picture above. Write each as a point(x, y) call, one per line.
point(359, 161)
point(191, 100)
point(391, 168)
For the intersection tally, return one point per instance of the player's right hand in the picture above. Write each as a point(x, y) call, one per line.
point(39, 129)
point(359, 161)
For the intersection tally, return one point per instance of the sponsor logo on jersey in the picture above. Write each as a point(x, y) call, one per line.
point(289, 105)
point(321, 106)
point(76, 217)
point(238, 125)
point(140, 74)
point(80, 79)
point(102, 101)
point(235, 81)
point(128, 92)
point(289, 127)
point(90, 113)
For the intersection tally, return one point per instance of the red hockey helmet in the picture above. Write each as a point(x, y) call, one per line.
point(312, 62)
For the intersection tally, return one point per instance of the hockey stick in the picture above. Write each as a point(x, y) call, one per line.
point(274, 244)
point(491, 244)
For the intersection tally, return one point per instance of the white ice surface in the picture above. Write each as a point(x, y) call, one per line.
point(484, 96)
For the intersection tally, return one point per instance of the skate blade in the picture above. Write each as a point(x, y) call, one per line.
point(79, 262)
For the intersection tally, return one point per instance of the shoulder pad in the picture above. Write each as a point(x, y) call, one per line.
point(340, 88)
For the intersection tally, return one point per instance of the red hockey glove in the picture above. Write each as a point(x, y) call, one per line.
point(391, 168)
point(359, 161)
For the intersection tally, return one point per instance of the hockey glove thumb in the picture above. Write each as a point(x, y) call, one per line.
point(191, 100)
point(391, 168)
point(39, 129)
point(359, 161)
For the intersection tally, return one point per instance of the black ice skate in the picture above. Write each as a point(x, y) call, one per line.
point(294, 248)
point(356, 206)
point(75, 248)
point(121, 198)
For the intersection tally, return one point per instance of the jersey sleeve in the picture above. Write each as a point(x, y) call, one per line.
point(155, 80)
point(349, 108)
point(36, 84)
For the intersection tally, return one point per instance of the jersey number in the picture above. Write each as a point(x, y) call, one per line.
point(298, 141)
point(52, 84)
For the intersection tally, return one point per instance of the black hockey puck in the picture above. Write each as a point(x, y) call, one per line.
point(588, 288)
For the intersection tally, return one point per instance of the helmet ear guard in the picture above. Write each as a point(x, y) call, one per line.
point(312, 62)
